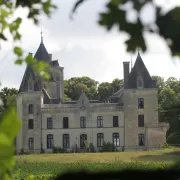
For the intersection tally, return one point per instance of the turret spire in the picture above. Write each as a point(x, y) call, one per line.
point(41, 37)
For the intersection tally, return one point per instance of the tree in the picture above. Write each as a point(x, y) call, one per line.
point(105, 90)
point(10, 124)
point(165, 25)
point(75, 85)
point(6, 94)
point(159, 82)
point(117, 84)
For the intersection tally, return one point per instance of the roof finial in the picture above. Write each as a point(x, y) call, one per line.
point(41, 37)
point(41, 33)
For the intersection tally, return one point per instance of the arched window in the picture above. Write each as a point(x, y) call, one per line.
point(31, 109)
point(116, 140)
point(141, 140)
point(83, 139)
point(66, 143)
point(140, 83)
point(50, 141)
point(100, 139)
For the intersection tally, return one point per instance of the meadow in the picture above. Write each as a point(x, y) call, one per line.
point(42, 166)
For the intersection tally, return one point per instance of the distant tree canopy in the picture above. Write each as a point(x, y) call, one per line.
point(168, 97)
point(166, 24)
point(8, 98)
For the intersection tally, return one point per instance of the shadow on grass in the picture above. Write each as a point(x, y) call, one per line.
point(166, 156)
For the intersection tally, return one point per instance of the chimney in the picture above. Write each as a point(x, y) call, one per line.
point(50, 55)
point(126, 73)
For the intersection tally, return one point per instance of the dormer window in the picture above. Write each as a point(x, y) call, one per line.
point(139, 82)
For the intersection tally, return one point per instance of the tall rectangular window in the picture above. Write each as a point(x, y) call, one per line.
point(66, 143)
point(116, 140)
point(65, 122)
point(31, 143)
point(141, 120)
point(83, 122)
point(115, 121)
point(100, 139)
point(49, 123)
point(140, 103)
point(50, 141)
point(99, 121)
point(141, 139)
point(30, 124)
point(30, 109)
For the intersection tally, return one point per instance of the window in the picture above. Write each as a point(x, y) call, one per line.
point(99, 121)
point(115, 121)
point(49, 123)
point(141, 120)
point(83, 122)
point(30, 124)
point(139, 82)
point(65, 122)
point(116, 139)
point(31, 143)
point(31, 109)
point(50, 141)
point(140, 103)
point(100, 139)
point(83, 140)
point(66, 143)
point(141, 140)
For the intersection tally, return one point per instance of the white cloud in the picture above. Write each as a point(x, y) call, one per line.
point(83, 47)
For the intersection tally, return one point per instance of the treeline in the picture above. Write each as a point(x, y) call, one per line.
point(92, 88)
point(168, 98)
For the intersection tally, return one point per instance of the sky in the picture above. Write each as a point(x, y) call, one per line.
point(83, 47)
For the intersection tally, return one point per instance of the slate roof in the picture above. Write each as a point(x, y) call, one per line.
point(42, 54)
point(140, 69)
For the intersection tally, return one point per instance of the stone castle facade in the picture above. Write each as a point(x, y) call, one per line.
point(129, 120)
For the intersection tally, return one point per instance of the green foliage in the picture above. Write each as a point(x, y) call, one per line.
point(108, 147)
point(91, 148)
point(9, 128)
point(167, 23)
point(174, 138)
point(74, 86)
point(9, 123)
point(52, 169)
point(59, 150)
point(105, 90)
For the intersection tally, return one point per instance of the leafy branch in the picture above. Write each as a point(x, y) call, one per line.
point(166, 24)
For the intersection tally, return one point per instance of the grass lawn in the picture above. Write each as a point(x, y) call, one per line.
point(52, 164)
point(158, 155)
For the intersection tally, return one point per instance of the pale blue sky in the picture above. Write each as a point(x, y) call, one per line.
point(84, 48)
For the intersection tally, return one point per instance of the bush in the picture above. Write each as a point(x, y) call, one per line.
point(22, 151)
point(59, 150)
point(108, 147)
point(91, 148)
point(173, 139)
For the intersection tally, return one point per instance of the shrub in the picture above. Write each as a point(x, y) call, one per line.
point(108, 147)
point(22, 151)
point(91, 148)
point(173, 139)
point(59, 150)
